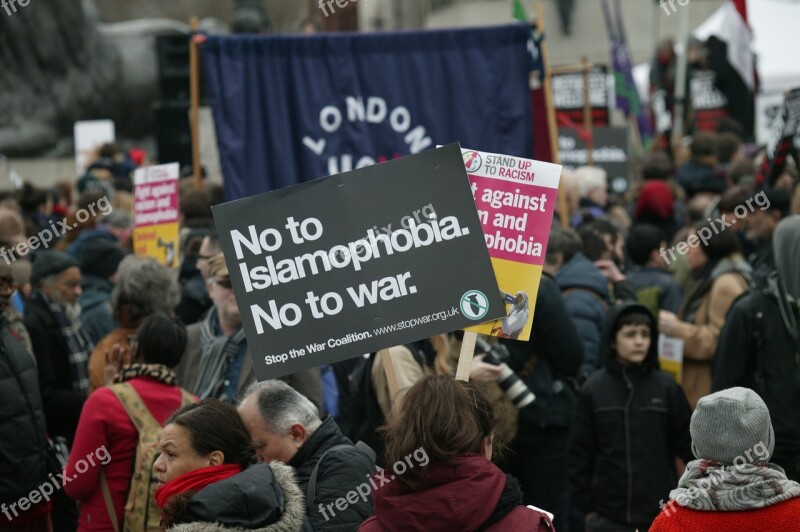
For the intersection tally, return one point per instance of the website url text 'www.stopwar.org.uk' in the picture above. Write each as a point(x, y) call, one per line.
point(413, 322)
point(352, 337)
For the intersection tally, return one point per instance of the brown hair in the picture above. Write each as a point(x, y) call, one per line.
point(445, 417)
point(657, 165)
point(216, 426)
point(722, 244)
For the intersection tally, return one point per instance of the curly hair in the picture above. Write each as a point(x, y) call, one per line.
point(144, 287)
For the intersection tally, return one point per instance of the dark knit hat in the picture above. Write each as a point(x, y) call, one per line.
point(726, 424)
point(47, 263)
point(100, 257)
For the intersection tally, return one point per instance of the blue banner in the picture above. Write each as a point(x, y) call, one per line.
point(289, 109)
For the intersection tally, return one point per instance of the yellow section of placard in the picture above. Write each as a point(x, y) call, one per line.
point(158, 241)
point(519, 284)
point(672, 368)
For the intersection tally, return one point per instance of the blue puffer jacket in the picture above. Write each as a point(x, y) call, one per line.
point(585, 292)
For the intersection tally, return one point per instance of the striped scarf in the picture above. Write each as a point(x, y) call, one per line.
point(218, 351)
point(708, 485)
point(79, 345)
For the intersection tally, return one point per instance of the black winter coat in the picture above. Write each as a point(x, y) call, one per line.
point(631, 422)
point(23, 445)
point(263, 498)
point(62, 404)
point(756, 350)
point(559, 354)
point(341, 472)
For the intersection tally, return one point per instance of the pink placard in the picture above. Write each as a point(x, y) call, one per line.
point(156, 203)
point(516, 218)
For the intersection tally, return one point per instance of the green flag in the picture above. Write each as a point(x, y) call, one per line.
point(519, 11)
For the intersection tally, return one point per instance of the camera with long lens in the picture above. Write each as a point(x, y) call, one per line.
point(497, 355)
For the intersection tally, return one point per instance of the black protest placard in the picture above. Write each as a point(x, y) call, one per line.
point(568, 97)
point(610, 150)
point(356, 262)
point(709, 103)
point(783, 144)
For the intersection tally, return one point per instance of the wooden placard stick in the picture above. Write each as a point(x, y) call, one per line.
point(465, 356)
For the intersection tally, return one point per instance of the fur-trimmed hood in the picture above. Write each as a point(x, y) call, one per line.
point(261, 487)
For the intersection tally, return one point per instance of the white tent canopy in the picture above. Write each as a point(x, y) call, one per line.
point(776, 42)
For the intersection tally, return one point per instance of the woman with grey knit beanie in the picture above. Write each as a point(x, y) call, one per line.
point(732, 485)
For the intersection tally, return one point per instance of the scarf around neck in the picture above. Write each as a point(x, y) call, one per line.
point(708, 485)
point(79, 345)
point(194, 481)
point(158, 372)
point(218, 351)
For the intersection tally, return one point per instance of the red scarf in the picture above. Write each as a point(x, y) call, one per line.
point(194, 481)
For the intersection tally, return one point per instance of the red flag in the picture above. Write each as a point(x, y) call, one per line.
point(541, 132)
point(741, 7)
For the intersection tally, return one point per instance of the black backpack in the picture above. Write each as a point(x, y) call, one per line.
point(364, 414)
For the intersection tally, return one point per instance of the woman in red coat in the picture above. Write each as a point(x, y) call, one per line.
point(439, 447)
point(107, 438)
point(732, 485)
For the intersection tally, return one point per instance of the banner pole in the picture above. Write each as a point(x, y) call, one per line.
point(465, 356)
point(638, 142)
point(194, 88)
point(552, 126)
point(588, 121)
point(680, 78)
point(391, 374)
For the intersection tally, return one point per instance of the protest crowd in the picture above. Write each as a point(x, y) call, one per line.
point(130, 401)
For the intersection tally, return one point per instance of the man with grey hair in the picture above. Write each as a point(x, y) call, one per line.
point(60, 345)
point(217, 362)
point(284, 426)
